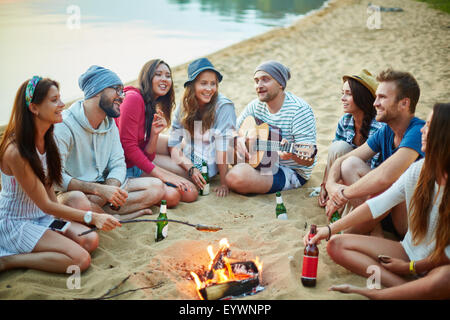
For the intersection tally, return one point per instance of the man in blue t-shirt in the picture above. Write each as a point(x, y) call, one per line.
point(399, 143)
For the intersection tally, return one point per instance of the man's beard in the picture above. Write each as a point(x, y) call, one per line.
point(108, 107)
point(267, 96)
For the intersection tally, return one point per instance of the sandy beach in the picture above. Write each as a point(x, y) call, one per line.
point(318, 49)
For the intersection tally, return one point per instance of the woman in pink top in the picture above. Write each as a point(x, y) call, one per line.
point(144, 114)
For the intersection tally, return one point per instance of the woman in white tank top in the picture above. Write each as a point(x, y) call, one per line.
point(30, 164)
point(419, 266)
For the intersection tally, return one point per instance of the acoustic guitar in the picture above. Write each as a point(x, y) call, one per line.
point(262, 139)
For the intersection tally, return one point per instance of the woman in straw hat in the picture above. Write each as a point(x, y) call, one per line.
point(418, 267)
point(202, 127)
point(30, 164)
point(356, 125)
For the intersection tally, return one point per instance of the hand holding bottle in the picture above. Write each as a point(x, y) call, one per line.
point(322, 233)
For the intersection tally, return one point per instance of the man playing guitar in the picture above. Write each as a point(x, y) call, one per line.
point(296, 125)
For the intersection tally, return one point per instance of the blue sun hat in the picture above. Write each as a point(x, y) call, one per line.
point(198, 66)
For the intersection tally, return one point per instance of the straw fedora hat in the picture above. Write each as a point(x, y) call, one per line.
point(366, 79)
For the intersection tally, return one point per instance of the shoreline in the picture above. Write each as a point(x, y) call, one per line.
point(319, 49)
point(185, 64)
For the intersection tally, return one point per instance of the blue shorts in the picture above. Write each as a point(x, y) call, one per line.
point(286, 179)
point(134, 172)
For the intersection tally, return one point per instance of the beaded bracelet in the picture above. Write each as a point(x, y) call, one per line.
point(190, 171)
point(329, 232)
point(412, 267)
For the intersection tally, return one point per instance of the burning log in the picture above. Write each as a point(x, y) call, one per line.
point(224, 279)
point(234, 288)
point(218, 262)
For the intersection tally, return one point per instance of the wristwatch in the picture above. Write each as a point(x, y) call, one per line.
point(88, 217)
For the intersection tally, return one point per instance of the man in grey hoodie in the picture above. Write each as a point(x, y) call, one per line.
point(93, 161)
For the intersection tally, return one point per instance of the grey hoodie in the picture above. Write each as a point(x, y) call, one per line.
point(88, 154)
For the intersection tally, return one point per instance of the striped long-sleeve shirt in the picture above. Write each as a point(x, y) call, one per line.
point(296, 121)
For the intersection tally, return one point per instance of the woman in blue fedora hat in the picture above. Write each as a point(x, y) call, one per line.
point(202, 126)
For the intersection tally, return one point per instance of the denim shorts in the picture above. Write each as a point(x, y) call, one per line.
point(286, 179)
point(134, 172)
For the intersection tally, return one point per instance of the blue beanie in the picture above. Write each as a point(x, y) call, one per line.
point(95, 79)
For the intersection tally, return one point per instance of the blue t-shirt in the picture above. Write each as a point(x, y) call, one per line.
point(383, 140)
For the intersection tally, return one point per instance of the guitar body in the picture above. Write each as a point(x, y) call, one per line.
point(263, 141)
point(253, 130)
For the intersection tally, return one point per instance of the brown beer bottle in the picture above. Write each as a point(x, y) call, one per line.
point(310, 261)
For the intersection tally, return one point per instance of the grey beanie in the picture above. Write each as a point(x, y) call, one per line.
point(277, 70)
point(95, 79)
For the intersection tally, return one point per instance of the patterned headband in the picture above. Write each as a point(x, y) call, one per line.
point(31, 86)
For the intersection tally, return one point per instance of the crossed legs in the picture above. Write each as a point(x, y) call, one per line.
point(353, 169)
point(357, 252)
point(244, 179)
point(142, 194)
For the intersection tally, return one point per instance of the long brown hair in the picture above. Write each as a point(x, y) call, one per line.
point(191, 111)
point(436, 167)
point(364, 100)
point(166, 102)
point(21, 131)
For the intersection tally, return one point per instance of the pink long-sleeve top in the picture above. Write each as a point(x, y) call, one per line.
point(131, 124)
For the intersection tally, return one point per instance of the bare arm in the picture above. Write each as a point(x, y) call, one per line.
point(177, 155)
point(383, 176)
point(360, 215)
point(158, 125)
point(101, 193)
point(42, 197)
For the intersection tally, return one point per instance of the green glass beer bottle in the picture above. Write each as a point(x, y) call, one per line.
point(280, 210)
point(335, 217)
point(205, 190)
point(162, 226)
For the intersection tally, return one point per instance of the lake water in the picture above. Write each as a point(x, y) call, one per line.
point(60, 39)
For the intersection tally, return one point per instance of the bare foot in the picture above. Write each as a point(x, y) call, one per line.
point(133, 215)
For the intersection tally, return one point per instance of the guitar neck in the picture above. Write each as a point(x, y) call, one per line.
point(268, 145)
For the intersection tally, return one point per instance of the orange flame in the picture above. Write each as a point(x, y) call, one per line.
point(223, 275)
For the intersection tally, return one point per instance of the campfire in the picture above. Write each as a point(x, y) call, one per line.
point(225, 279)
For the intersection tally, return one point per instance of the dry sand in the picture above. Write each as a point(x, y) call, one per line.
point(319, 50)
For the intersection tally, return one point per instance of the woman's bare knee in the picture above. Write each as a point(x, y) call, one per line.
point(352, 169)
point(172, 196)
point(90, 241)
point(75, 199)
point(334, 246)
point(82, 259)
